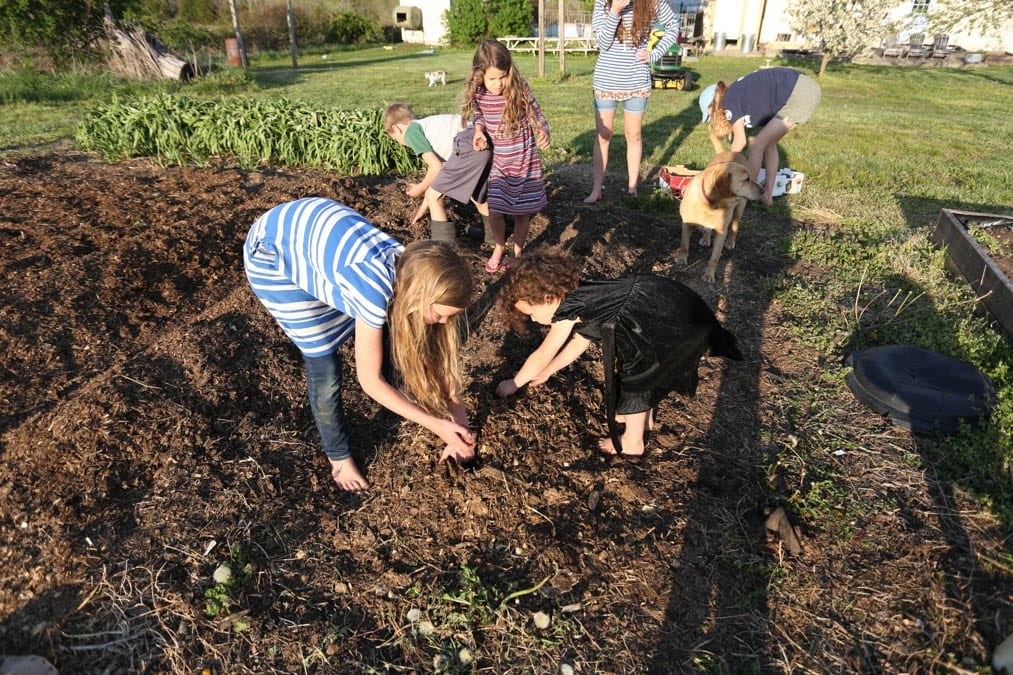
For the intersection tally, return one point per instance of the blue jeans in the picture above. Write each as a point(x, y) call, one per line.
point(323, 383)
point(634, 104)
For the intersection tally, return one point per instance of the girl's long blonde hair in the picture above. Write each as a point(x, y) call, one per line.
point(426, 355)
point(643, 17)
point(720, 127)
point(493, 54)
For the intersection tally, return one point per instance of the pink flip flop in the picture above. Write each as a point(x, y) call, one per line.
point(501, 265)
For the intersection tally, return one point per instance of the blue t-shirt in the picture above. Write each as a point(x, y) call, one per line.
point(755, 98)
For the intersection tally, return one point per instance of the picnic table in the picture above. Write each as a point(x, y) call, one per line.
point(529, 44)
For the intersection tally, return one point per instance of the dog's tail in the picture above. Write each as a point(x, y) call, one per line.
point(723, 343)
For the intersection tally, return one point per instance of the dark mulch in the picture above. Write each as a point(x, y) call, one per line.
point(154, 426)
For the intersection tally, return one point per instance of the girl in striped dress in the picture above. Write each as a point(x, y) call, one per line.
point(325, 274)
point(622, 74)
point(505, 110)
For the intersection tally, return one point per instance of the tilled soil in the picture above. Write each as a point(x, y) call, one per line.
point(154, 426)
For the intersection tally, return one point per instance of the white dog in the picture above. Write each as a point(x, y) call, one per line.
point(437, 76)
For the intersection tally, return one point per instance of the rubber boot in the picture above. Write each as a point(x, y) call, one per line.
point(444, 231)
point(489, 239)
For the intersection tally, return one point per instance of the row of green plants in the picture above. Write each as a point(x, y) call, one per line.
point(185, 130)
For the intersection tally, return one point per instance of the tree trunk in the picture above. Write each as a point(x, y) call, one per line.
point(827, 56)
point(133, 53)
point(239, 33)
point(291, 31)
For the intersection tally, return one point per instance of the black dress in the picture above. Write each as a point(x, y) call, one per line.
point(653, 331)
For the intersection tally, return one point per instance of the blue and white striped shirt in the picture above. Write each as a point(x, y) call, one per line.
point(318, 265)
point(616, 69)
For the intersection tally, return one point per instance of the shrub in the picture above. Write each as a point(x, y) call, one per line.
point(266, 27)
point(470, 21)
point(510, 17)
point(466, 22)
point(348, 28)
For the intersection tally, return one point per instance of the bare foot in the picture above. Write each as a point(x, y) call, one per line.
point(768, 200)
point(347, 476)
point(593, 197)
point(631, 447)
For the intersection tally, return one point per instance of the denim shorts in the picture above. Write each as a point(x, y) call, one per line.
point(637, 104)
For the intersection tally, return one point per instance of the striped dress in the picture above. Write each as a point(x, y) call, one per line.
point(516, 185)
point(317, 266)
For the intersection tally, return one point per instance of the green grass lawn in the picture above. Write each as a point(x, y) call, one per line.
point(887, 148)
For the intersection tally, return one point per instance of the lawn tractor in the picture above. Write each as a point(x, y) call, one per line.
point(668, 73)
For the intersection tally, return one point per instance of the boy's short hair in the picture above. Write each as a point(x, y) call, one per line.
point(397, 113)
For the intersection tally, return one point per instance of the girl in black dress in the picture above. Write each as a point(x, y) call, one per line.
point(653, 331)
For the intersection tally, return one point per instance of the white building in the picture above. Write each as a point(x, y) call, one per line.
point(421, 21)
point(745, 23)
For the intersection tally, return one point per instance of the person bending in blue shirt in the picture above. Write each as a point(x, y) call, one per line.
point(325, 273)
point(773, 100)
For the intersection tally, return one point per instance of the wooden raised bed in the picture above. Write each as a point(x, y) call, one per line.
point(966, 256)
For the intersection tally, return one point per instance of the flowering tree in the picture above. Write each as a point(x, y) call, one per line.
point(838, 26)
point(980, 16)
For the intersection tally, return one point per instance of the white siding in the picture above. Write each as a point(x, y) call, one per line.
point(433, 29)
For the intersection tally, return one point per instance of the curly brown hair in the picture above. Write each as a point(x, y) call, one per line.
point(536, 278)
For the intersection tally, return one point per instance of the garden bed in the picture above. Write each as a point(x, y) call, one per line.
point(153, 426)
point(987, 266)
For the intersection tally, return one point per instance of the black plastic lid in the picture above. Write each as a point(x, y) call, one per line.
point(920, 390)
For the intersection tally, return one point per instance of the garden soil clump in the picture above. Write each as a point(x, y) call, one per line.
point(154, 427)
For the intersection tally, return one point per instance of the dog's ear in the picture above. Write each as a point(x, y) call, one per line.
point(722, 186)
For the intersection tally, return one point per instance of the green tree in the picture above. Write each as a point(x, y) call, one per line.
point(197, 11)
point(470, 21)
point(63, 28)
point(510, 17)
point(350, 28)
point(466, 22)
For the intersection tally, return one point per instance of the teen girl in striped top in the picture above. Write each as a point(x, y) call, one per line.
point(622, 73)
point(325, 274)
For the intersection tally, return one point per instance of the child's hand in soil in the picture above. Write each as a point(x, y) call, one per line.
point(506, 388)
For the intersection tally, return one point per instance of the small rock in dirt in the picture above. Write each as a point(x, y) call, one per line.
point(566, 669)
point(465, 657)
point(593, 498)
point(223, 574)
point(340, 588)
point(1002, 657)
point(570, 609)
point(778, 522)
point(541, 620)
point(414, 614)
point(426, 628)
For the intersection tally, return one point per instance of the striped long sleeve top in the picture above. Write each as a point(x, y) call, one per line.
point(317, 266)
point(617, 69)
